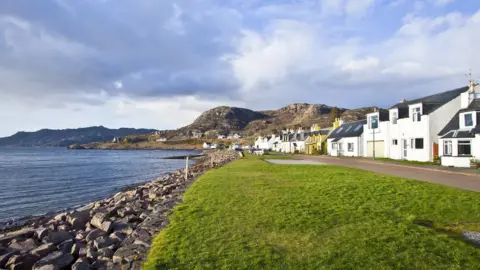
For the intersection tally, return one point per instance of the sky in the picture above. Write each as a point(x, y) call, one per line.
point(160, 64)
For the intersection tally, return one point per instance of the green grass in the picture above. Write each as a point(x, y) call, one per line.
point(412, 162)
point(254, 215)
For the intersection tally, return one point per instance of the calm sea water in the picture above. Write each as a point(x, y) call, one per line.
point(35, 181)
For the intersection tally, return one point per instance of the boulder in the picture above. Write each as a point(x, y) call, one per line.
point(94, 234)
point(81, 264)
point(57, 237)
point(25, 245)
point(142, 236)
point(106, 252)
point(22, 261)
point(21, 234)
point(123, 227)
point(82, 253)
point(60, 217)
point(55, 260)
point(100, 265)
point(66, 246)
point(42, 232)
point(118, 236)
point(64, 227)
point(123, 212)
point(43, 250)
point(5, 257)
point(103, 242)
point(98, 219)
point(81, 235)
point(130, 253)
point(91, 254)
point(76, 248)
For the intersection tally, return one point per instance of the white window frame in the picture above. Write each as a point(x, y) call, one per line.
point(340, 146)
point(413, 145)
point(447, 148)
point(334, 146)
point(350, 149)
point(417, 114)
point(464, 142)
point(465, 122)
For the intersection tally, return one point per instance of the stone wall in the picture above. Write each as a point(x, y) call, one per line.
point(114, 233)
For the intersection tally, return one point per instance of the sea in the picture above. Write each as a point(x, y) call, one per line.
point(39, 181)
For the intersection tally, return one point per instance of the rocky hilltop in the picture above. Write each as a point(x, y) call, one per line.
point(224, 120)
point(66, 137)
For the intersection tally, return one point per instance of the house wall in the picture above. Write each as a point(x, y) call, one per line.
point(407, 129)
point(440, 118)
point(381, 134)
point(456, 161)
point(357, 147)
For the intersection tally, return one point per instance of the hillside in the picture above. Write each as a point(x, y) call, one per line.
point(65, 137)
point(223, 120)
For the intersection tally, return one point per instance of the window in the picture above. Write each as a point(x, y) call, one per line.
point(447, 148)
point(394, 142)
point(340, 146)
point(339, 130)
point(468, 119)
point(334, 146)
point(394, 117)
point(416, 114)
point(350, 147)
point(416, 143)
point(464, 148)
point(358, 127)
point(348, 129)
point(373, 122)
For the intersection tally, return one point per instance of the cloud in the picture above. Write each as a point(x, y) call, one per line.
point(121, 60)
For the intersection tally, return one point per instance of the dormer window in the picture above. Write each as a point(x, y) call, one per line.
point(394, 117)
point(468, 118)
point(416, 114)
point(373, 121)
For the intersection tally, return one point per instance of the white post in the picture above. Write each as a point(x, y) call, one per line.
point(186, 169)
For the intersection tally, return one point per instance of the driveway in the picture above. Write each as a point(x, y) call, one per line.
point(444, 177)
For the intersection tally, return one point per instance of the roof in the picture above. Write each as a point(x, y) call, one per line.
point(452, 129)
point(336, 139)
point(352, 129)
point(430, 103)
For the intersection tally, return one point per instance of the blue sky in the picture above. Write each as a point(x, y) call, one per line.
point(159, 64)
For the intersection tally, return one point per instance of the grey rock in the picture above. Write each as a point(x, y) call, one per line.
point(22, 261)
point(60, 217)
point(81, 235)
point(142, 236)
point(130, 253)
point(23, 233)
point(5, 257)
point(100, 265)
point(118, 236)
point(106, 252)
point(82, 252)
point(43, 250)
point(94, 234)
point(56, 260)
point(473, 237)
point(123, 227)
point(64, 227)
point(123, 212)
point(81, 264)
point(107, 226)
point(91, 254)
point(58, 237)
point(76, 248)
point(25, 245)
point(98, 219)
point(66, 246)
point(42, 232)
point(103, 242)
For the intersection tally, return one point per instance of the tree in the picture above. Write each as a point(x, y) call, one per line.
point(333, 114)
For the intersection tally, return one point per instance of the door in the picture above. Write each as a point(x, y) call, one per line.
point(379, 149)
point(404, 148)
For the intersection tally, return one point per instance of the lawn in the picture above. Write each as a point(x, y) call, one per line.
point(254, 215)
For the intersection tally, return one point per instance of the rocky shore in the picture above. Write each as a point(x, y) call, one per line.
point(114, 233)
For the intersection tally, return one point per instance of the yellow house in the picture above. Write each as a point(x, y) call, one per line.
point(318, 136)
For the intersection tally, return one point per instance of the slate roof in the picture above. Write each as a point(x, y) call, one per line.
point(430, 103)
point(452, 129)
point(348, 130)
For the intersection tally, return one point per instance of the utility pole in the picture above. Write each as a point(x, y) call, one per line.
point(373, 127)
point(186, 169)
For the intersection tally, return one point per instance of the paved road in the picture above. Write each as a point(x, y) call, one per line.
point(454, 179)
point(294, 162)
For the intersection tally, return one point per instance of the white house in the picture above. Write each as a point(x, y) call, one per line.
point(460, 138)
point(220, 137)
point(347, 140)
point(414, 125)
point(286, 142)
point(207, 145)
point(237, 136)
point(274, 143)
point(162, 140)
point(376, 137)
point(234, 146)
point(262, 143)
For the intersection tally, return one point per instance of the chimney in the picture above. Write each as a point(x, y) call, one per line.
point(403, 101)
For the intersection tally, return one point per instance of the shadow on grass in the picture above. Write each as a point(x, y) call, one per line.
point(448, 230)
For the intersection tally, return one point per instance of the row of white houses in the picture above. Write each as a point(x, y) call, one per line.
point(445, 125)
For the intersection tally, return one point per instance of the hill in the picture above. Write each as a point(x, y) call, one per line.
point(66, 137)
point(223, 120)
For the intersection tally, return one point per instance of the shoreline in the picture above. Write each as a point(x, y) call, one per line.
point(115, 232)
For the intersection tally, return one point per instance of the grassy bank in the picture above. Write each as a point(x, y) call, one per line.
point(254, 215)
